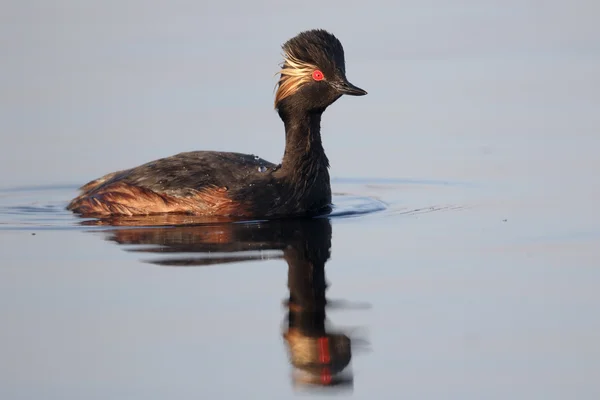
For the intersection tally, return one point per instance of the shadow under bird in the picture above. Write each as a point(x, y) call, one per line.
point(312, 77)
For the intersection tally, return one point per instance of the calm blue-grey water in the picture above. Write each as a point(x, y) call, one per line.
point(461, 261)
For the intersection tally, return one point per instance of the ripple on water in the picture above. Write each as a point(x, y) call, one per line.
point(43, 207)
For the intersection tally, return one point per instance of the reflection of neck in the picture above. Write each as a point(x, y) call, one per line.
point(307, 249)
point(307, 285)
point(310, 323)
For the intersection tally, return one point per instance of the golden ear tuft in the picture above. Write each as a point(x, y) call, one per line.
point(293, 74)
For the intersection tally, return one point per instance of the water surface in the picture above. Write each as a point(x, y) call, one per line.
point(461, 259)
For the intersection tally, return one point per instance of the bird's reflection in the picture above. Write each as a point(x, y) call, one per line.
point(319, 355)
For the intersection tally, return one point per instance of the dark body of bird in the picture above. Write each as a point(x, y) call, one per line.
point(240, 185)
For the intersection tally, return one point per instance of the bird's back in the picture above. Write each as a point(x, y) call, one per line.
point(173, 184)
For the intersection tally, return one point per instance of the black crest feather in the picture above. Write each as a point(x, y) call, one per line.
point(317, 47)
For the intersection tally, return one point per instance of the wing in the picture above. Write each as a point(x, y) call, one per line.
point(193, 182)
point(185, 173)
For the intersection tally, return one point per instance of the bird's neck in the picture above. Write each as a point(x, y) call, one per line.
point(304, 154)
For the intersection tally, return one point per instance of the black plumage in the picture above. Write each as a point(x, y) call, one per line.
point(234, 184)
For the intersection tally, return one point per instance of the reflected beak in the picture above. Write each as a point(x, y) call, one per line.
point(349, 89)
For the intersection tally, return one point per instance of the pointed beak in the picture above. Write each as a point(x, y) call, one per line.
point(346, 87)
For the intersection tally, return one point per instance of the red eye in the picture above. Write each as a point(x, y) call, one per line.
point(317, 75)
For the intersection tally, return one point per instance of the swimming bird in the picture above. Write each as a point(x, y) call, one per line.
point(211, 183)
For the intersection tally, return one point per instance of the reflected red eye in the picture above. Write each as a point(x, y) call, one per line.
point(317, 75)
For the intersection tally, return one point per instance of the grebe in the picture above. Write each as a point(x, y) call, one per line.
point(312, 77)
